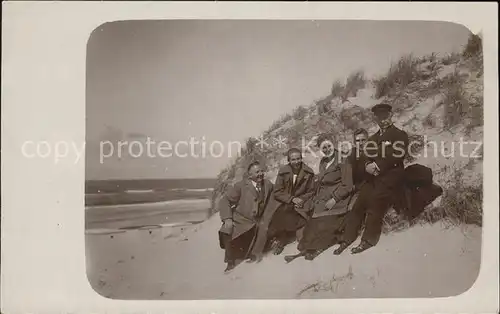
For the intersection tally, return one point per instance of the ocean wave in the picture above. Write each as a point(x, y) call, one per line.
point(190, 203)
point(139, 191)
point(200, 190)
point(192, 190)
point(91, 194)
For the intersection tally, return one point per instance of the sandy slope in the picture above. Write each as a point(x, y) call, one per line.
point(152, 264)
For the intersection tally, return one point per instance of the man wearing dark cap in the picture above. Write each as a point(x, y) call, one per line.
point(383, 155)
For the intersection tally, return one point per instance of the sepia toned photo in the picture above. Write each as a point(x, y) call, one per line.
point(282, 159)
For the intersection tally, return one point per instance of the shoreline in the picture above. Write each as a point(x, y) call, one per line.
point(146, 214)
point(169, 226)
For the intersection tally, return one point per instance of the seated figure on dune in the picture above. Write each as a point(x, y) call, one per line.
point(293, 187)
point(241, 210)
point(330, 203)
point(383, 157)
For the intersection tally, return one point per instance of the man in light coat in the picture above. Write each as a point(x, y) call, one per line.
point(241, 210)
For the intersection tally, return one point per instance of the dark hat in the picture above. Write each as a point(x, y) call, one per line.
point(382, 108)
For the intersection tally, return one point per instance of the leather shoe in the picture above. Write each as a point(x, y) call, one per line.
point(230, 266)
point(254, 259)
point(341, 248)
point(363, 246)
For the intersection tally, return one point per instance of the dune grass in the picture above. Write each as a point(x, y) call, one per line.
point(399, 75)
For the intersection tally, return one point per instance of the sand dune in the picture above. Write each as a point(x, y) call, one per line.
point(171, 263)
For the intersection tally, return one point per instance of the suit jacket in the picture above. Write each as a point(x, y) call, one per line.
point(357, 161)
point(285, 190)
point(388, 151)
point(333, 182)
point(244, 205)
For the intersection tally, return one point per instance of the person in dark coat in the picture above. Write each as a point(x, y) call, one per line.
point(329, 205)
point(293, 187)
point(384, 154)
point(356, 159)
point(241, 209)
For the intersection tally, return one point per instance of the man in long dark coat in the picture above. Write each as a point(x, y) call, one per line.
point(294, 186)
point(384, 153)
point(241, 210)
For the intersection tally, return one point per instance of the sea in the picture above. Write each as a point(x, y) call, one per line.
point(128, 204)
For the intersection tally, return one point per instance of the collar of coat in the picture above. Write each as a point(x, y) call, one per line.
point(333, 164)
point(265, 184)
point(288, 169)
point(388, 129)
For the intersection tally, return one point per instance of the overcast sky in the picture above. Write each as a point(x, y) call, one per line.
point(225, 81)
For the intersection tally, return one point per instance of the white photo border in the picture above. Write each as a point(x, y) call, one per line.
point(43, 97)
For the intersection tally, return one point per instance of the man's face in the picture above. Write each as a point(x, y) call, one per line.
point(360, 140)
point(383, 118)
point(256, 173)
point(327, 148)
point(295, 160)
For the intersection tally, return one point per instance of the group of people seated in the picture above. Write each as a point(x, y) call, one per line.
point(318, 210)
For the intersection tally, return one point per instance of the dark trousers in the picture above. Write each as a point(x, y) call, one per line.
point(373, 202)
point(321, 233)
point(285, 223)
point(237, 249)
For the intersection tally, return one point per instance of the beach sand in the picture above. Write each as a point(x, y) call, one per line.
point(186, 262)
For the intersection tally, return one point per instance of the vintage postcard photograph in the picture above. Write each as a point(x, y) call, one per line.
point(283, 159)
